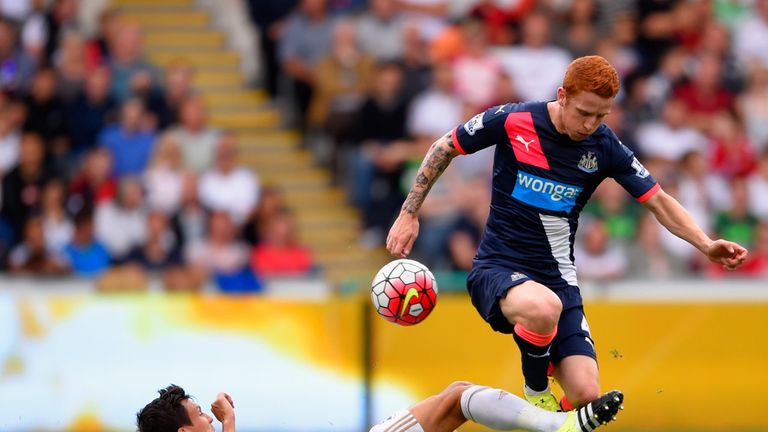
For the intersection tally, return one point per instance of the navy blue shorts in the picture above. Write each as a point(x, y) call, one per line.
point(487, 285)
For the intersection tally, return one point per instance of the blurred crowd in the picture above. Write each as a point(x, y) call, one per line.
point(111, 170)
point(373, 83)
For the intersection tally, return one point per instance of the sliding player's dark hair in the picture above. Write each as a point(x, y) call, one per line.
point(165, 413)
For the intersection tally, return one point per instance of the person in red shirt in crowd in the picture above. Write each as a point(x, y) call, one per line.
point(279, 253)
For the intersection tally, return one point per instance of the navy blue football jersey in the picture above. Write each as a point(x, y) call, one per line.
point(541, 181)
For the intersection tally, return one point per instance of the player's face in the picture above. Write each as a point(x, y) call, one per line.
point(201, 422)
point(582, 114)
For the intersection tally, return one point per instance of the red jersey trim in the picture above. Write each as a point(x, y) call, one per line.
point(455, 140)
point(651, 192)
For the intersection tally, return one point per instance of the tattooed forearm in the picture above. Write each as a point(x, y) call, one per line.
point(435, 162)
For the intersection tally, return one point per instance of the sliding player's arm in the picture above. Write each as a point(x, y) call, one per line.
point(403, 233)
point(224, 410)
point(679, 222)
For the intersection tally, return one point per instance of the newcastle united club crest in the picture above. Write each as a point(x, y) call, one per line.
point(588, 162)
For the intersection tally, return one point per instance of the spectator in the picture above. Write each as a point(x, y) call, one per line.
point(704, 95)
point(221, 256)
point(757, 266)
point(191, 218)
point(280, 253)
point(537, 66)
point(94, 183)
point(578, 31)
point(414, 63)
point(597, 259)
point(381, 135)
point(753, 107)
point(61, 17)
point(342, 79)
point(427, 15)
point(751, 36)
point(737, 222)
point(733, 155)
point(128, 67)
point(196, 138)
point(268, 15)
point(647, 256)
point(702, 192)
point(178, 88)
point(89, 112)
point(380, 30)
point(476, 71)
point(271, 203)
point(657, 30)
point(70, 66)
point(47, 117)
point(57, 227)
point(670, 138)
point(121, 225)
point(229, 187)
point(161, 250)
point(164, 178)
point(128, 141)
point(31, 256)
point(613, 208)
point(17, 67)
point(85, 255)
point(757, 188)
point(437, 109)
point(306, 38)
point(11, 117)
point(22, 187)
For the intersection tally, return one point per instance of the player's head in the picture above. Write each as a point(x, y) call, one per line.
point(586, 96)
point(173, 411)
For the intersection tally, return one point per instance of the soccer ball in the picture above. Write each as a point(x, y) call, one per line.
point(404, 292)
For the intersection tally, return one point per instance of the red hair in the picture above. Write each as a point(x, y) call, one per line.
point(591, 74)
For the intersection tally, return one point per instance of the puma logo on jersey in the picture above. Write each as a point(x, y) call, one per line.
point(524, 142)
point(412, 292)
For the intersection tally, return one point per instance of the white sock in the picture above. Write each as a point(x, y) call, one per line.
point(500, 410)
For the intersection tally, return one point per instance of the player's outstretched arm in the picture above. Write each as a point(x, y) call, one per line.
point(405, 229)
point(224, 410)
point(679, 222)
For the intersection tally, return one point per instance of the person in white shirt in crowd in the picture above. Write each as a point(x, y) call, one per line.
point(598, 259)
point(11, 117)
point(751, 37)
point(57, 225)
point(537, 66)
point(430, 16)
point(195, 136)
point(121, 224)
point(670, 137)
point(701, 191)
point(227, 186)
point(437, 109)
point(752, 105)
point(164, 179)
point(476, 70)
point(380, 30)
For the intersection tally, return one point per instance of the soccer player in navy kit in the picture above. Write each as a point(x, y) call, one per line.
point(549, 158)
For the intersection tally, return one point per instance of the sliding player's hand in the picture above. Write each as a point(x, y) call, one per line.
point(731, 255)
point(223, 408)
point(403, 234)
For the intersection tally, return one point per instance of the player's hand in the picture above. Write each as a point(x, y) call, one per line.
point(731, 255)
point(223, 408)
point(403, 234)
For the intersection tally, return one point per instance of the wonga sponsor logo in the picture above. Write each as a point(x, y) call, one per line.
point(545, 193)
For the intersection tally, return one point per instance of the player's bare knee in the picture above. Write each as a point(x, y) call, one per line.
point(541, 312)
point(584, 394)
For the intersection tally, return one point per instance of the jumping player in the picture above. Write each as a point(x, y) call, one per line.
point(549, 158)
point(496, 409)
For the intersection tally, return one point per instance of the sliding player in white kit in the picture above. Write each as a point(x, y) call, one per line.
point(462, 401)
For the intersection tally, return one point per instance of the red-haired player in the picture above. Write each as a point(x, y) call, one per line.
point(550, 157)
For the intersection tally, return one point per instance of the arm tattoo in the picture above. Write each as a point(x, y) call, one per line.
point(435, 162)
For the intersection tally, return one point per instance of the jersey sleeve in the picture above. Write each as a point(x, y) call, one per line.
point(631, 174)
point(481, 131)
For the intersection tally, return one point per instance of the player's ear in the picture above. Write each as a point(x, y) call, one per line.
point(561, 96)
